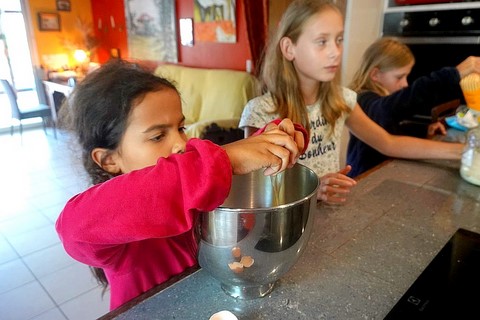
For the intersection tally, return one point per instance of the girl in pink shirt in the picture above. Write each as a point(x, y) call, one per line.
point(135, 225)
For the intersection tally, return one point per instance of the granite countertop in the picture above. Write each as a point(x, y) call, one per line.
point(361, 257)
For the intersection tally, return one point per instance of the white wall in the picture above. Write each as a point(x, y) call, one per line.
point(362, 26)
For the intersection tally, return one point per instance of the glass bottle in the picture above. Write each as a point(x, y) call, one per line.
point(470, 168)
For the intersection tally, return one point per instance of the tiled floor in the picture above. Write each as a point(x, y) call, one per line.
point(38, 280)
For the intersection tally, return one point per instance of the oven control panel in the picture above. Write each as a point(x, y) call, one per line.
point(429, 5)
point(415, 2)
point(462, 22)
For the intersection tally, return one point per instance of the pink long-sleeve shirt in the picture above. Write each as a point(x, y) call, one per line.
point(137, 227)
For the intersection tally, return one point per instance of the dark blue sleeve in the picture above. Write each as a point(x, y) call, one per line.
point(387, 111)
point(419, 98)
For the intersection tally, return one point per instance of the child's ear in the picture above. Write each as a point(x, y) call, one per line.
point(286, 46)
point(106, 160)
point(374, 74)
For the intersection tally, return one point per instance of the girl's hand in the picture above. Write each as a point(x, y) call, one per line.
point(469, 65)
point(334, 187)
point(436, 128)
point(274, 150)
point(298, 134)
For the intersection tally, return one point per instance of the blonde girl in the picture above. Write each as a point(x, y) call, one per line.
point(385, 54)
point(299, 77)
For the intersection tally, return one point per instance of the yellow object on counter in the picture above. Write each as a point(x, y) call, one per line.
point(471, 90)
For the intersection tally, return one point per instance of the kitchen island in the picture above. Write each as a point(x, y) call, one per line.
point(361, 257)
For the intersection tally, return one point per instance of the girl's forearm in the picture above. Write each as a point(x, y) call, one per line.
point(415, 148)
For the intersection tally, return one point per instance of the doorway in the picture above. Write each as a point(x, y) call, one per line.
point(15, 59)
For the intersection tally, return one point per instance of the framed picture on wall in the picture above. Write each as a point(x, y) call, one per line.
point(214, 21)
point(151, 30)
point(48, 21)
point(63, 5)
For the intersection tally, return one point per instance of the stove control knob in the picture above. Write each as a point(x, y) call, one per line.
point(404, 23)
point(433, 22)
point(467, 20)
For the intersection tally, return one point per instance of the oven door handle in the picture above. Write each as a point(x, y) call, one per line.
point(440, 40)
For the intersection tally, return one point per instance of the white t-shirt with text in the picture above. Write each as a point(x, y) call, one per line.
point(323, 152)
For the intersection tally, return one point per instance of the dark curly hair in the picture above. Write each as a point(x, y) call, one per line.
point(98, 109)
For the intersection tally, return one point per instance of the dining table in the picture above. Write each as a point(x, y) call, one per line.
point(361, 256)
point(56, 92)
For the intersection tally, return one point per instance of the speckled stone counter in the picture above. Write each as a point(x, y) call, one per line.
point(361, 257)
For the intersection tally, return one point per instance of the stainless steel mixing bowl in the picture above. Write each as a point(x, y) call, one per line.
point(250, 225)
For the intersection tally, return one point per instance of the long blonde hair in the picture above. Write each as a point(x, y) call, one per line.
point(385, 54)
point(279, 77)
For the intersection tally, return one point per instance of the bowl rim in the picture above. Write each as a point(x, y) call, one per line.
point(275, 208)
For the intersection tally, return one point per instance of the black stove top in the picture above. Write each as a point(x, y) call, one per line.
point(449, 288)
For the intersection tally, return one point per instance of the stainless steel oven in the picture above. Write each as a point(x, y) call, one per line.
point(437, 38)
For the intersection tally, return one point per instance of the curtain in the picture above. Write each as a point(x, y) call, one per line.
point(256, 16)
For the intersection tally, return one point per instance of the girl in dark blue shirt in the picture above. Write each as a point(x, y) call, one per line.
point(384, 94)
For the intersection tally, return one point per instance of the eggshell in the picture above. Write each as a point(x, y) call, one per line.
point(247, 261)
point(236, 267)
point(223, 315)
point(236, 252)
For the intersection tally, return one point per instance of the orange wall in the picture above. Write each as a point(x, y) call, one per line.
point(50, 42)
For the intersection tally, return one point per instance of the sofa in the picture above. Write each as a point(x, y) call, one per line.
point(212, 99)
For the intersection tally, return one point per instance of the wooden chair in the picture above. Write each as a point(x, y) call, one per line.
point(440, 112)
point(21, 113)
point(417, 126)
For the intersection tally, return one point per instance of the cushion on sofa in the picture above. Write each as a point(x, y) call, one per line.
point(232, 90)
point(187, 84)
point(209, 95)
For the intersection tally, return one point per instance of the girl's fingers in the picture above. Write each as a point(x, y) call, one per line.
point(340, 180)
point(299, 141)
point(334, 189)
point(287, 126)
point(277, 149)
point(345, 170)
point(283, 155)
point(285, 141)
point(269, 127)
point(335, 186)
point(331, 198)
